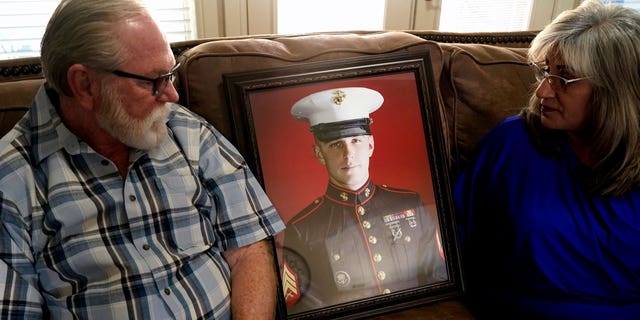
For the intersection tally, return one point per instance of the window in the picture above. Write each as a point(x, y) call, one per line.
point(495, 15)
point(299, 16)
point(22, 23)
point(635, 4)
point(176, 18)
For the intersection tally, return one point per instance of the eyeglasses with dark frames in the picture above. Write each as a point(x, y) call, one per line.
point(557, 83)
point(159, 83)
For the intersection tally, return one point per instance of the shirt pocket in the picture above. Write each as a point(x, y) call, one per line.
point(189, 228)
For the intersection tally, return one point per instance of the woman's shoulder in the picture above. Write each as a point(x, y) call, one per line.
point(510, 131)
point(509, 141)
point(510, 125)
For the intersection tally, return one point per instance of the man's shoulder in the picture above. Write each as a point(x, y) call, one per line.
point(308, 211)
point(17, 164)
point(390, 189)
point(179, 114)
point(184, 122)
point(385, 190)
point(16, 143)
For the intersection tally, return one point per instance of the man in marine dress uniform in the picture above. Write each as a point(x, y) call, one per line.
point(359, 239)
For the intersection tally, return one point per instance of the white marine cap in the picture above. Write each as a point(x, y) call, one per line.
point(339, 112)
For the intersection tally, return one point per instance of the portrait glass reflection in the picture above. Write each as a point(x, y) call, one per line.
point(347, 164)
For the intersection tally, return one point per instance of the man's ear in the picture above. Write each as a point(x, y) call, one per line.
point(371, 146)
point(83, 84)
point(318, 154)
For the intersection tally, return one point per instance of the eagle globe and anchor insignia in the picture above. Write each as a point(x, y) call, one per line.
point(342, 279)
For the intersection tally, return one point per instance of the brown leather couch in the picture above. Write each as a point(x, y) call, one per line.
point(481, 78)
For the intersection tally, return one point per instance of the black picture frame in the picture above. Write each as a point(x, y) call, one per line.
point(277, 148)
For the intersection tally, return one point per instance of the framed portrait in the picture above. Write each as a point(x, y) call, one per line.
point(369, 213)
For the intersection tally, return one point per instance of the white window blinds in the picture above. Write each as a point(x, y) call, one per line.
point(494, 15)
point(22, 23)
point(298, 16)
point(635, 4)
point(176, 18)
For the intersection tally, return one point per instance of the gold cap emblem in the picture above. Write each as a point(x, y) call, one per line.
point(338, 97)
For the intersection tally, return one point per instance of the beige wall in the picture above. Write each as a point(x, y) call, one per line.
point(218, 18)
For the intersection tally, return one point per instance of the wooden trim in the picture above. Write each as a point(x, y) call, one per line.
point(519, 38)
point(30, 68)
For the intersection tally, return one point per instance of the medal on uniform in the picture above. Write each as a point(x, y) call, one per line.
point(412, 221)
point(396, 230)
point(410, 217)
point(393, 222)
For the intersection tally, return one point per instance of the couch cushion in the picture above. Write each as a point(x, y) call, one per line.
point(200, 77)
point(9, 116)
point(481, 85)
point(19, 93)
point(15, 99)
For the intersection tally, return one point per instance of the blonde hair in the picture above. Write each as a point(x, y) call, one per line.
point(82, 31)
point(599, 41)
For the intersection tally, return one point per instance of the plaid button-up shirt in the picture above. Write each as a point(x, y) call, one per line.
point(79, 241)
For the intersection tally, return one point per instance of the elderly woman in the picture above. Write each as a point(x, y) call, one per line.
point(550, 207)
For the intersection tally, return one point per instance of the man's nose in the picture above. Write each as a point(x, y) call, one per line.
point(169, 93)
point(348, 150)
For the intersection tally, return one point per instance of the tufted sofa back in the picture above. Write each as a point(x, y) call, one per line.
point(478, 84)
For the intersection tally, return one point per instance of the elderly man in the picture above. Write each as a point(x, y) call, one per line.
point(359, 239)
point(117, 203)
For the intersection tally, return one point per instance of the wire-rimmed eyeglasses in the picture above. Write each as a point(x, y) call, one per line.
point(159, 83)
point(557, 83)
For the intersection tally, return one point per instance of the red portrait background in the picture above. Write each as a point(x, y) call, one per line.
point(292, 176)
